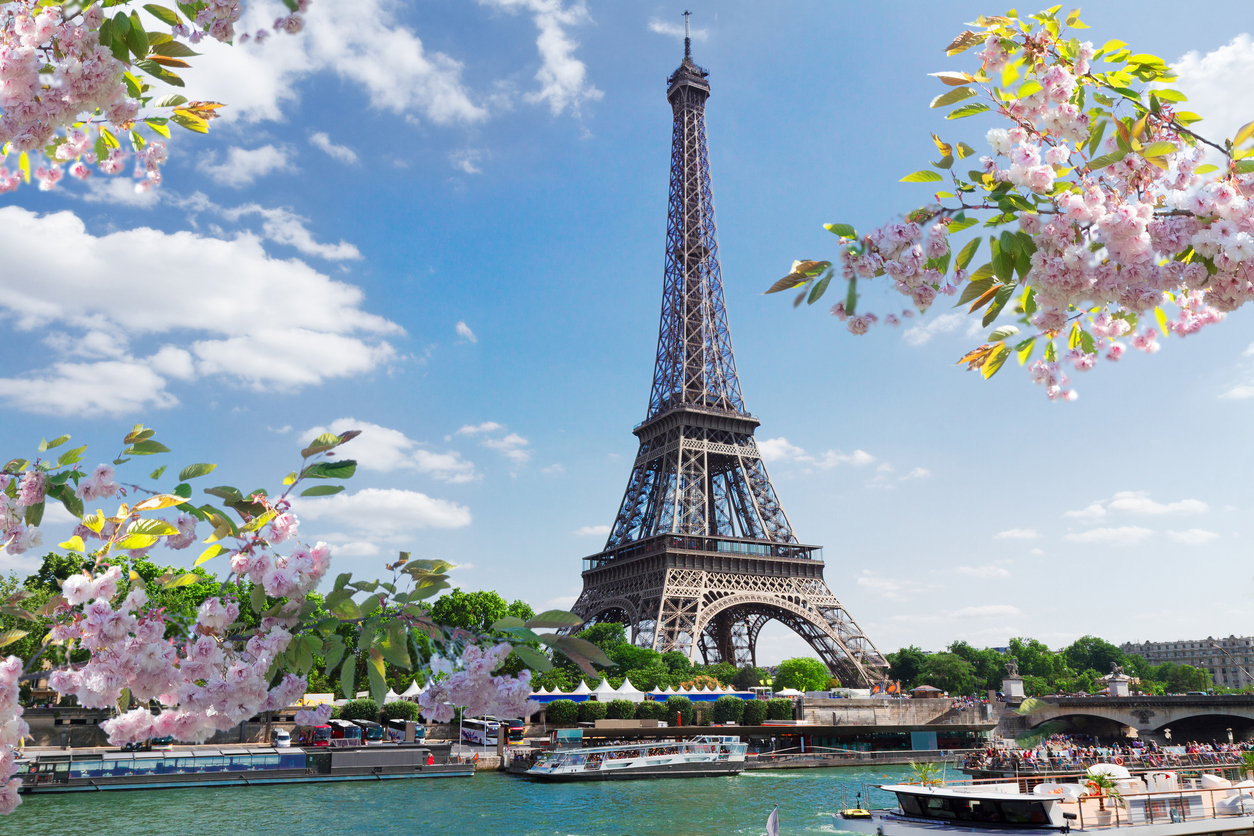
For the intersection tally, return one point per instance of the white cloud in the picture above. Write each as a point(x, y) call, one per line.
point(553, 469)
point(512, 447)
point(1217, 86)
point(119, 190)
point(988, 611)
point(342, 153)
point(890, 588)
point(478, 429)
point(562, 77)
point(217, 311)
point(383, 513)
point(779, 449)
point(562, 602)
point(361, 41)
point(675, 30)
point(466, 160)
point(982, 572)
point(1138, 502)
point(1192, 537)
point(385, 450)
point(1037, 551)
point(241, 167)
point(923, 333)
point(463, 331)
point(285, 227)
point(1238, 392)
point(592, 531)
point(1017, 534)
point(1123, 536)
point(1092, 512)
point(917, 473)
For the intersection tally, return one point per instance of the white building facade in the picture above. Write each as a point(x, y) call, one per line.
point(1229, 660)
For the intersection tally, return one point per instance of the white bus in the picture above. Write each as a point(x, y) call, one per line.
point(480, 732)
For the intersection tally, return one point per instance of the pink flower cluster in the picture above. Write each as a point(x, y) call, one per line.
point(474, 689)
point(12, 729)
point(15, 536)
point(99, 485)
point(284, 577)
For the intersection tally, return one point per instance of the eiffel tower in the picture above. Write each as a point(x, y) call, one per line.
point(702, 555)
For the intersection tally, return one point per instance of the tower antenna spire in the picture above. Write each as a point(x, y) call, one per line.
point(687, 37)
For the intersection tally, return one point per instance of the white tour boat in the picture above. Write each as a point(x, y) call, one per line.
point(699, 757)
point(1155, 804)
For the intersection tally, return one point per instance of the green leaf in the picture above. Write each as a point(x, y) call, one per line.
point(137, 38)
point(343, 469)
point(35, 513)
point(843, 230)
point(72, 503)
point(1024, 350)
point(378, 676)
point(56, 442)
point(348, 675)
point(960, 224)
point(172, 100)
point(186, 579)
point(851, 296)
point(9, 636)
point(554, 620)
point(332, 651)
point(161, 528)
point(1206, 169)
point(159, 72)
point(322, 490)
point(967, 110)
point(71, 456)
point(395, 646)
point(257, 598)
point(532, 658)
point(922, 177)
point(161, 13)
point(1244, 167)
point(147, 447)
point(183, 489)
point(953, 96)
point(137, 541)
point(1158, 149)
point(967, 252)
point(209, 554)
point(1107, 159)
point(975, 289)
point(194, 470)
point(1002, 333)
point(347, 610)
point(999, 302)
point(820, 287)
point(74, 544)
point(1051, 354)
point(996, 359)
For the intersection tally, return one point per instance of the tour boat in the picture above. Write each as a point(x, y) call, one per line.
point(1156, 804)
point(205, 766)
point(700, 757)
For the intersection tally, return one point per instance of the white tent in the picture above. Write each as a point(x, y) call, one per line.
point(605, 691)
point(669, 690)
point(627, 691)
point(412, 692)
point(788, 692)
point(582, 690)
point(543, 692)
point(391, 696)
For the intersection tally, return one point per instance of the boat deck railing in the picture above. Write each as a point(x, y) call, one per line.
point(1131, 809)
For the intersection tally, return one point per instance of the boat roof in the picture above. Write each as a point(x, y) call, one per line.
point(991, 791)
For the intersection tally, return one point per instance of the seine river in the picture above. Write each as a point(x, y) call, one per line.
point(486, 805)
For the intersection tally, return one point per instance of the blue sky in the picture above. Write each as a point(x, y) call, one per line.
point(445, 223)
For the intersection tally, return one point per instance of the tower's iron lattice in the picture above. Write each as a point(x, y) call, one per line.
point(702, 555)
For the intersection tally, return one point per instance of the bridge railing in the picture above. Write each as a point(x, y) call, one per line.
point(1062, 763)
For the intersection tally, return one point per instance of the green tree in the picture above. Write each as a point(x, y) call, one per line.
point(590, 711)
point(989, 665)
point(1092, 652)
point(949, 672)
point(779, 709)
point(724, 672)
point(906, 666)
point(681, 706)
point(803, 673)
point(728, 709)
point(620, 709)
point(520, 609)
point(754, 712)
point(748, 677)
point(651, 710)
point(360, 710)
point(677, 662)
point(562, 712)
point(469, 610)
point(400, 710)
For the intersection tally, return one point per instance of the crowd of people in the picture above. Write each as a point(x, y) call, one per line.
point(1076, 752)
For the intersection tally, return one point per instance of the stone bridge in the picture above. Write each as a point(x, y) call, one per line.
point(1149, 714)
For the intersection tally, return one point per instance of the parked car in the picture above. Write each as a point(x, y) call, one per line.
point(281, 739)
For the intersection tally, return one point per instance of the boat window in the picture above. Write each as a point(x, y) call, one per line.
point(266, 761)
point(145, 766)
point(292, 760)
point(85, 769)
point(938, 808)
point(976, 810)
point(909, 804)
point(186, 764)
point(1023, 812)
point(241, 762)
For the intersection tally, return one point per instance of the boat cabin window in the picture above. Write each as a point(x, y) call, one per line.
point(973, 809)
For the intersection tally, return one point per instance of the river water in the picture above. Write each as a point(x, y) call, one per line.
point(486, 805)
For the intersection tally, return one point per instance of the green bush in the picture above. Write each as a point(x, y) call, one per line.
point(591, 711)
point(651, 711)
point(681, 706)
point(779, 709)
point(360, 710)
point(335, 712)
point(728, 709)
point(563, 712)
point(620, 709)
point(755, 713)
point(400, 710)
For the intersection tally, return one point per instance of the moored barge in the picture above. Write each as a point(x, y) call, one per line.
point(206, 766)
point(700, 757)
